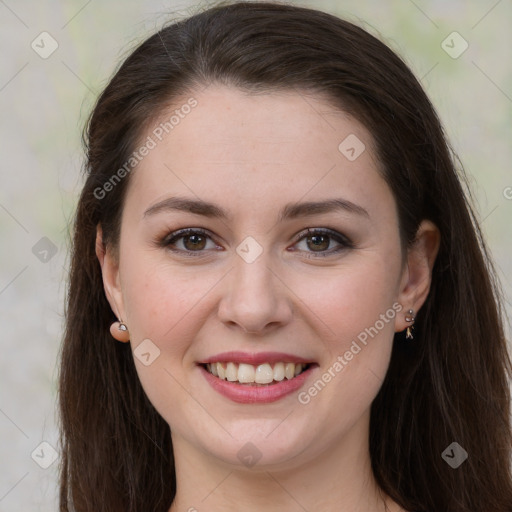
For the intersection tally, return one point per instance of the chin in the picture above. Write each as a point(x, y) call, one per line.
point(258, 444)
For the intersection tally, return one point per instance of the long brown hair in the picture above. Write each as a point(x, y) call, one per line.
point(451, 384)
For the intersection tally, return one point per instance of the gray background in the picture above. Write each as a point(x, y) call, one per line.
point(45, 101)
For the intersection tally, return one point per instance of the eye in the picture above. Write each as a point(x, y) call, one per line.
point(190, 240)
point(319, 242)
point(194, 242)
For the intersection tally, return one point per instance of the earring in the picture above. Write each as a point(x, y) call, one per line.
point(119, 331)
point(410, 318)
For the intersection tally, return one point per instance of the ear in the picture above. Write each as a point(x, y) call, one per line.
point(417, 274)
point(111, 282)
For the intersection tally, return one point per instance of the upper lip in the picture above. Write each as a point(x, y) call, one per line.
point(255, 359)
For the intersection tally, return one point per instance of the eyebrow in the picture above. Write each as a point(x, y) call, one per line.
point(290, 211)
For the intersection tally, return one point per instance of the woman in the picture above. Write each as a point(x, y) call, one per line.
point(274, 231)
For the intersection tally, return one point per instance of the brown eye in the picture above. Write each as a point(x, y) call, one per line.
point(189, 241)
point(322, 242)
point(194, 242)
point(318, 242)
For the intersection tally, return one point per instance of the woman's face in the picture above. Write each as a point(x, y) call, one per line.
point(250, 284)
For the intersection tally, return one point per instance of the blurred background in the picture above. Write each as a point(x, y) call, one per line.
point(56, 58)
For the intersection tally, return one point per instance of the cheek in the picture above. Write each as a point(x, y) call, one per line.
point(165, 303)
point(350, 299)
point(156, 300)
point(353, 308)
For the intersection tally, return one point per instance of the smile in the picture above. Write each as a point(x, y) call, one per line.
point(263, 374)
point(256, 378)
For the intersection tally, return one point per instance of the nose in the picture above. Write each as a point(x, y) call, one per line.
point(255, 299)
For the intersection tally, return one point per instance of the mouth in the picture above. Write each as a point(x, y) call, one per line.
point(256, 379)
point(265, 374)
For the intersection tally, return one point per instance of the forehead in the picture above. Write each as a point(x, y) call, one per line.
point(249, 150)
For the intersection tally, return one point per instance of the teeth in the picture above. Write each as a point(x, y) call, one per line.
point(231, 372)
point(279, 371)
point(245, 373)
point(249, 374)
point(264, 374)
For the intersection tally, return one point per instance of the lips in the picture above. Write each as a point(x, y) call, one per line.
point(255, 359)
point(256, 378)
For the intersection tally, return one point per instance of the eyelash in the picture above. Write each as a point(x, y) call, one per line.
point(345, 243)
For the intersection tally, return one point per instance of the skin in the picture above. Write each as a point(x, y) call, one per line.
point(251, 155)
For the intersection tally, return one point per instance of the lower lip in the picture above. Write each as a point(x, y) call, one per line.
point(247, 394)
